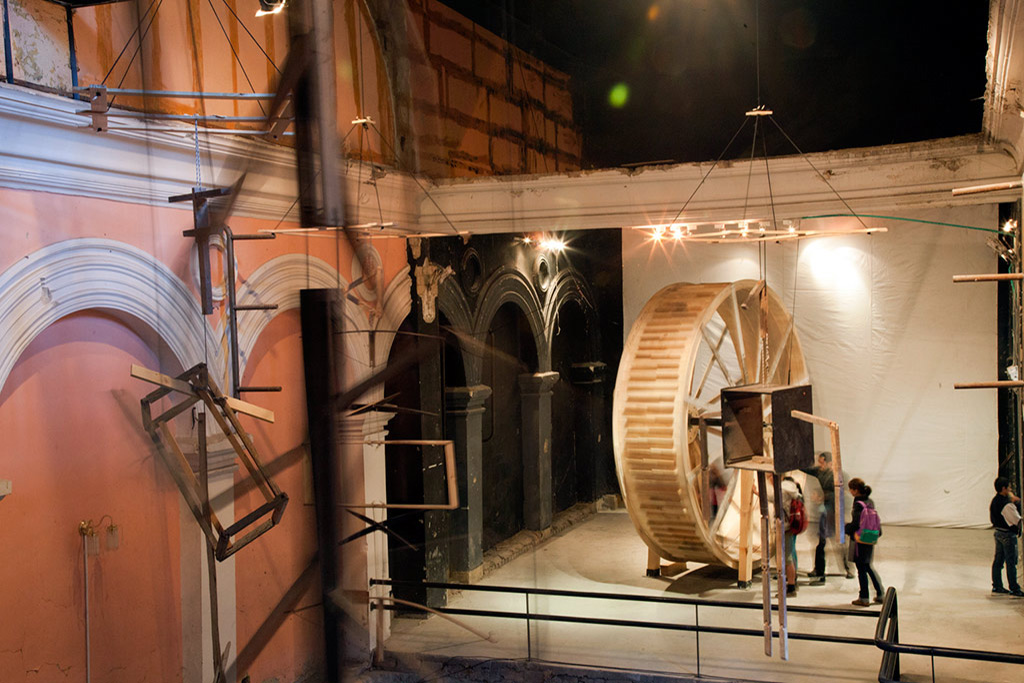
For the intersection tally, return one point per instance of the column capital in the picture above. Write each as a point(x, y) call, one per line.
point(466, 400)
point(375, 425)
point(539, 383)
point(350, 428)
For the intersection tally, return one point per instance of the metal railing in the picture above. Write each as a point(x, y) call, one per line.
point(887, 639)
point(533, 616)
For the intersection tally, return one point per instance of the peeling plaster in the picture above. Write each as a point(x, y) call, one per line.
point(39, 42)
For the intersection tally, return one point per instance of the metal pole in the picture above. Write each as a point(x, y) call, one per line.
point(766, 578)
point(696, 622)
point(69, 14)
point(229, 289)
point(529, 650)
point(85, 564)
point(8, 56)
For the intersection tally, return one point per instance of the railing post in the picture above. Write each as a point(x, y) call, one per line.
point(696, 621)
point(529, 651)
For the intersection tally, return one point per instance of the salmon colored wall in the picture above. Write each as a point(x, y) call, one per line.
point(74, 449)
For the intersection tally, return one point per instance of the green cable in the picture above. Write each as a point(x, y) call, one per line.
point(896, 218)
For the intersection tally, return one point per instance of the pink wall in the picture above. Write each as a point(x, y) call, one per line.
point(74, 449)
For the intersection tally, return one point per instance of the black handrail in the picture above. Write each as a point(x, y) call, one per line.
point(836, 611)
point(887, 640)
point(697, 628)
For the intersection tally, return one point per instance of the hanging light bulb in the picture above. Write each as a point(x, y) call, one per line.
point(270, 7)
point(677, 234)
point(658, 233)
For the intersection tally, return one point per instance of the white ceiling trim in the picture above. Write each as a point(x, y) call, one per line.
point(46, 148)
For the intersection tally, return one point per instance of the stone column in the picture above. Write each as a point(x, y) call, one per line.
point(464, 408)
point(589, 426)
point(536, 397)
point(196, 642)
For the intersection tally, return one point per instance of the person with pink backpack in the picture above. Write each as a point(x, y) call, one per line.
point(864, 530)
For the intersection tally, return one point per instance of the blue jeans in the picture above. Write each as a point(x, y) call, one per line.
point(1006, 552)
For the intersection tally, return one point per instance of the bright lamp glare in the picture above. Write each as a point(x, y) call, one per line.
point(552, 244)
point(270, 7)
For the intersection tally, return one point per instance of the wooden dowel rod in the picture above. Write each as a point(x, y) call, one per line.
point(988, 277)
point(813, 419)
point(994, 187)
point(997, 384)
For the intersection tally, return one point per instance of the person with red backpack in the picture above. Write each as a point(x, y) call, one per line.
point(864, 530)
point(795, 517)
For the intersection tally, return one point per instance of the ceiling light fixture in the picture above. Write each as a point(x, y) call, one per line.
point(269, 7)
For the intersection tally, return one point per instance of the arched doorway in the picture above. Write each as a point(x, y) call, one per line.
point(77, 451)
point(509, 352)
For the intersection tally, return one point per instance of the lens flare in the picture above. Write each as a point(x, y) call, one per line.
point(618, 95)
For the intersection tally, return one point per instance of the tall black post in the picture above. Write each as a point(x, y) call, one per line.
point(322, 351)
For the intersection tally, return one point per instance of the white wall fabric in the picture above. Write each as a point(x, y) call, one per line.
point(885, 333)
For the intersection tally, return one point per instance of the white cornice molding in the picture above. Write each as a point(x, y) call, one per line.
point(875, 179)
point(1004, 99)
point(47, 148)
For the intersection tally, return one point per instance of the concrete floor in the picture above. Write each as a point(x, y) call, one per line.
point(941, 575)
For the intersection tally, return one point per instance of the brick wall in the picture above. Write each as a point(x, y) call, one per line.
point(483, 107)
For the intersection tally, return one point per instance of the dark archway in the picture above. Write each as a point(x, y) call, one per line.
point(509, 352)
point(573, 436)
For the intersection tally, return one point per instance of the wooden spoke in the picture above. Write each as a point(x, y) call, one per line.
point(718, 358)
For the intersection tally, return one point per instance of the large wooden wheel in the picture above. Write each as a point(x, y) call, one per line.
point(689, 342)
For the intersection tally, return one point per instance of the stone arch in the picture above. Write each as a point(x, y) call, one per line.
point(95, 273)
point(397, 305)
point(451, 301)
point(509, 285)
point(569, 286)
point(278, 281)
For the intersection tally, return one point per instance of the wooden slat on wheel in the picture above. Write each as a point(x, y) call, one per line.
point(196, 386)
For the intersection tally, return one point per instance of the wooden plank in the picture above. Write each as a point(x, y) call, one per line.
point(746, 557)
point(160, 379)
point(246, 408)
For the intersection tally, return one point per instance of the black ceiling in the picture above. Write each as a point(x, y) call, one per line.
point(837, 73)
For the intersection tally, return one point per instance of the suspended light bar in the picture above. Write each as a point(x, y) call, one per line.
point(740, 231)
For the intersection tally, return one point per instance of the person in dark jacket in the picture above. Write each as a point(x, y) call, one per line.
point(1004, 513)
point(822, 471)
point(862, 557)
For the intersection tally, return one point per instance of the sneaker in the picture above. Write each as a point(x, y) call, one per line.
point(861, 603)
point(849, 574)
point(879, 599)
point(816, 581)
point(1017, 592)
point(813, 575)
point(1000, 590)
point(791, 590)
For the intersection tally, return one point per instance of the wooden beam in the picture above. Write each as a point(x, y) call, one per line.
point(997, 384)
point(160, 379)
point(246, 408)
point(988, 277)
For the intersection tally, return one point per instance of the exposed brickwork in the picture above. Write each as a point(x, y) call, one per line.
point(483, 107)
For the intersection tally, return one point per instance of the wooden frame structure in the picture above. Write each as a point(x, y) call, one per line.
point(689, 342)
point(196, 386)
